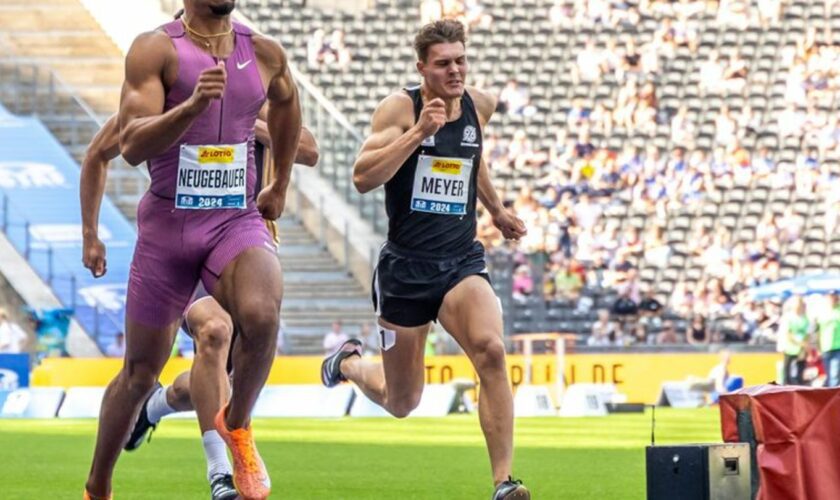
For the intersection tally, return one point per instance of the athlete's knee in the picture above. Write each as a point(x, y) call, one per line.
point(260, 316)
point(138, 381)
point(213, 337)
point(403, 405)
point(489, 354)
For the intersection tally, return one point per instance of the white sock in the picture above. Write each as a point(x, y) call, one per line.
point(216, 453)
point(158, 407)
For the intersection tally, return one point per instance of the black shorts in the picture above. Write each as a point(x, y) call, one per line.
point(409, 286)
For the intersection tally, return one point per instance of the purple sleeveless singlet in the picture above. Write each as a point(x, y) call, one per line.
point(177, 247)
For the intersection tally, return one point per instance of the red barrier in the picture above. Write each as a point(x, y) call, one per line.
point(796, 439)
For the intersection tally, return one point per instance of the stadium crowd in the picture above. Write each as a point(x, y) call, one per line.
point(578, 179)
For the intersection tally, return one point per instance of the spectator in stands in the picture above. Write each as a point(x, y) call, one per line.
point(603, 330)
point(625, 309)
point(453, 9)
point(711, 73)
point(734, 13)
point(735, 74)
point(334, 338)
point(588, 64)
point(568, 282)
point(725, 127)
point(561, 13)
point(829, 337)
point(769, 12)
point(523, 283)
point(314, 47)
point(13, 339)
point(686, 33)
point(739, 331)
point(476, 15)
point(697, 331)
point(336, 54)
point(792, 338)
point(117, 348)
point(370, 339)
point(513, 98)
point(683, 128)
point(650, 307)
point(668, 335)
point(430, 10)
point(631, 63)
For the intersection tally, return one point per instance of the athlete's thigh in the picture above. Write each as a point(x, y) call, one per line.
point(403, 350)
point(471, 313)
point(148, 348)
point(252, 281)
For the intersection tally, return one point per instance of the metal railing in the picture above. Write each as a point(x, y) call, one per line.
point(339, 143)
point(29, 89)
point(57, 273)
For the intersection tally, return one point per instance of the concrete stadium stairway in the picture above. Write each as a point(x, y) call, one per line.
point(318, 291)
point(38, 37)
point(63, 35)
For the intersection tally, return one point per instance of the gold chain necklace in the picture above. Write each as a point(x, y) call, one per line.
point(202, 35)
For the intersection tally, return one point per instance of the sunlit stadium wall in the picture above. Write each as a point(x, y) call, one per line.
point(639, 376)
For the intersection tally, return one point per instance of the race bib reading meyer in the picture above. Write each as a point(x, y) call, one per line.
point(441, 185)
point(212, 177)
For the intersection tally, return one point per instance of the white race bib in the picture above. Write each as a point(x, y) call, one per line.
point(441, 185)
point(212, 177)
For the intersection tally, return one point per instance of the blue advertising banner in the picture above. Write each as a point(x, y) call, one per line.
point(14, 371)
point(39, 185)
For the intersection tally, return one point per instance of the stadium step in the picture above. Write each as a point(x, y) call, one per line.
point(317, 292)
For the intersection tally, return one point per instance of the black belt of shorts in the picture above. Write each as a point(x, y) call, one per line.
point(411, 253)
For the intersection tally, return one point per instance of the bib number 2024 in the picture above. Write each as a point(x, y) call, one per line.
point(209, 202)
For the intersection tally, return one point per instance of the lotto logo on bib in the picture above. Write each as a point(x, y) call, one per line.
point(448, 167)
point(441, 185)
point(215, 154)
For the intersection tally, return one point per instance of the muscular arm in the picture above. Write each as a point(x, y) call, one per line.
point(284, 116)
point(510, 226)
point(485, 106)
point(104, 147)
point(145, 130)
point(392, 141)
point(307, 152)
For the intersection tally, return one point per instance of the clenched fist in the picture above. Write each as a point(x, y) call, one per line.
point(271, 201)
point(211, 85)
point(432, 118)
point(93, 256)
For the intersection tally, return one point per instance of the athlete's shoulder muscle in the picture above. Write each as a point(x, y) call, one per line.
point(392, 118)
point(143, 91)
point(148, 55)
point(485, 103)
point(396, 110)
point(274, 68)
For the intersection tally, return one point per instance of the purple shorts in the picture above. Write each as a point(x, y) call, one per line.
point(178, 248)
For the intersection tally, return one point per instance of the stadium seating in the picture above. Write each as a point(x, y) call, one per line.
point(524, 43)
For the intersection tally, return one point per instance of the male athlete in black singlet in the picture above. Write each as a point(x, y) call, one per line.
point(425, 147)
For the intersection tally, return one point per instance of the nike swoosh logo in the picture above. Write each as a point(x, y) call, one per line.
point(243, 65)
